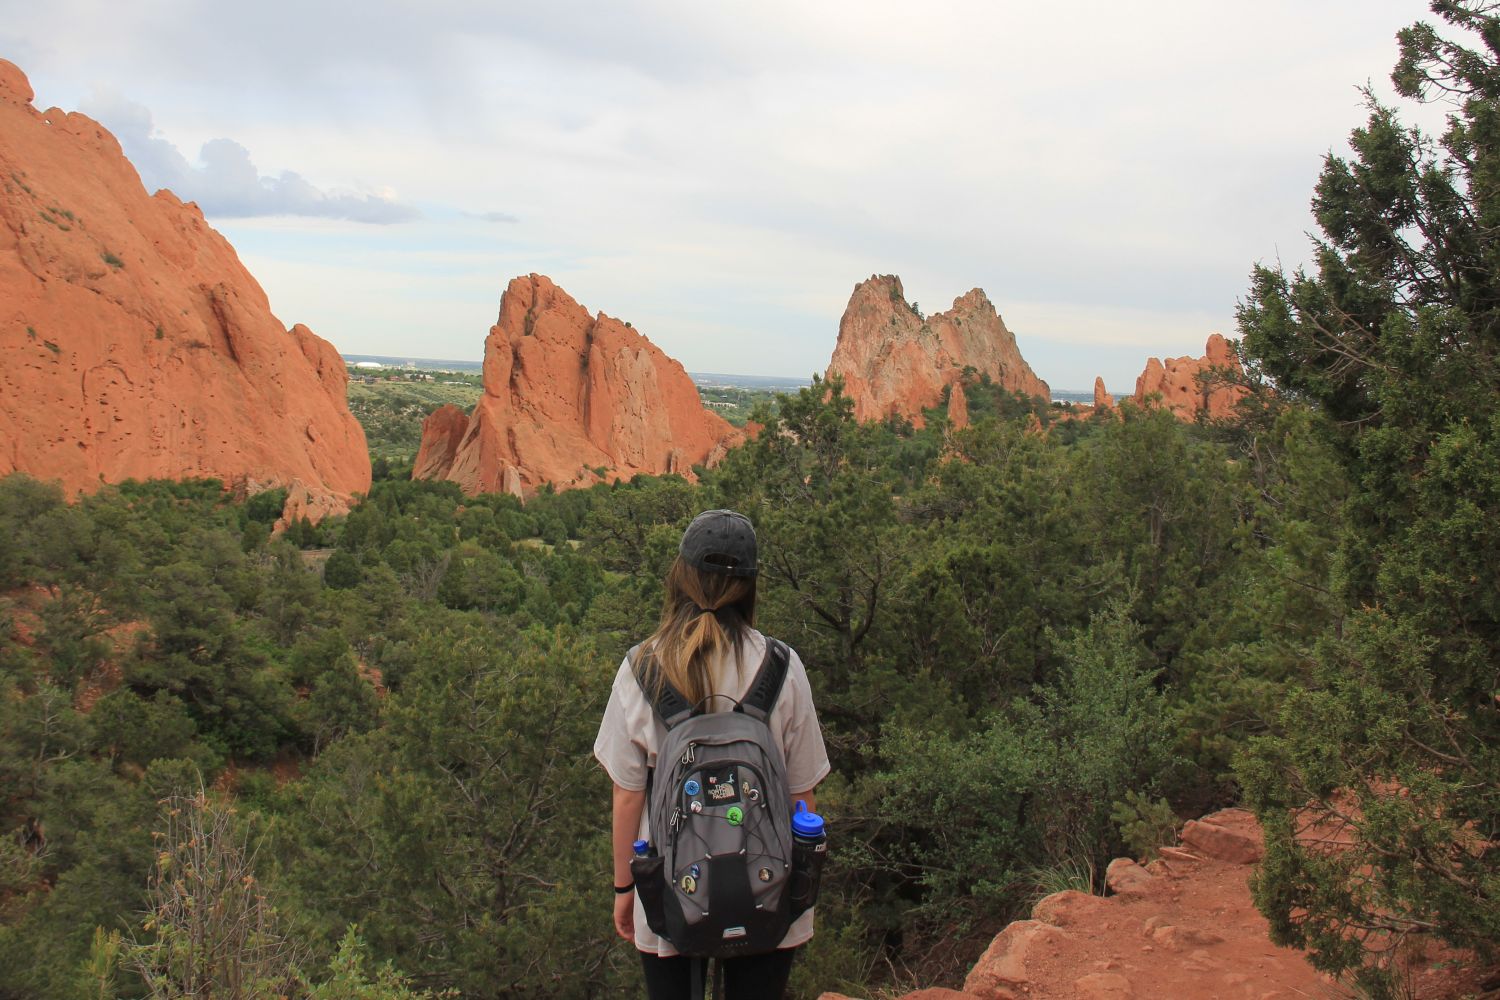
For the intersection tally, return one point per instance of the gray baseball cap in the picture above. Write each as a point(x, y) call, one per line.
point(720, 541)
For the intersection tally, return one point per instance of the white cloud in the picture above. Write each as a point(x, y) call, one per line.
point(492, 216)
point(724, 173)
point(225, 182)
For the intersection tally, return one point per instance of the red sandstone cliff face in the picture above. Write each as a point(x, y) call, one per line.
point(567, 395)
point(1176, 380)
point(894, 362)
point(134, 344)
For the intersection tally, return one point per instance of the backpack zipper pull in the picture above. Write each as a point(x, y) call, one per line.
point(687, 755)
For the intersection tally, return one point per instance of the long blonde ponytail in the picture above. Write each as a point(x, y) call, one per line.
point(704, 616)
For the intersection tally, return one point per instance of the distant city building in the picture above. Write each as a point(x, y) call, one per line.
point(368, 364)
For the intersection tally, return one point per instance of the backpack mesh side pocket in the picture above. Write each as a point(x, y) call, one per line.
point(651, 886)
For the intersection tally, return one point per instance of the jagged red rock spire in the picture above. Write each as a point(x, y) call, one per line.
point(1175, 382)
point(1102, 399)
point(570, 398)
point(133, 342)
point(893, 361)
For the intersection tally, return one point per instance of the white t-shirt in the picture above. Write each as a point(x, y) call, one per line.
point(630, 734)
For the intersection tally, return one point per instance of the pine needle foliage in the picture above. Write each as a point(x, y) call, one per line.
point(1379, 796)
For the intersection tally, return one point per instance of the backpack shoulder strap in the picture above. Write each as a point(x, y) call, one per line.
point(766, 688)
point(666, 701)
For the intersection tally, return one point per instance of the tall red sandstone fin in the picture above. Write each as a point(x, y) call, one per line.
point(1102, 399)
point(1176, 383)
point(894, 362)
point(569, 397)
point(958, 407)
point(133, 342)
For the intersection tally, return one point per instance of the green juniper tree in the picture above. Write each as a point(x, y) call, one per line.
point(1394, 743)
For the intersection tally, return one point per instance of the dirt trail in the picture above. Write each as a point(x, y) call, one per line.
point(1181, 928)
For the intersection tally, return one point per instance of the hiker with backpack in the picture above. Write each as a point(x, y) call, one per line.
point(712, 742)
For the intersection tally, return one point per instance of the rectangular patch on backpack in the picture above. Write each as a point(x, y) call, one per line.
point(720, 787)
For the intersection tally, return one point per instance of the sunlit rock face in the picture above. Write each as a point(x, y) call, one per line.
point(894, 362)
point(1174, 383)
point(1102, 399)
point(133, 342)
point(570, 398)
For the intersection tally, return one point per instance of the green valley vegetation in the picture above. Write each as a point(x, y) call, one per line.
point(391, 403)
point(734, 403)
point(1022, 643)
point(1393, 743)
point(1034, 643)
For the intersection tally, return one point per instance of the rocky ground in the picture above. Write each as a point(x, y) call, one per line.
point(1181, 928)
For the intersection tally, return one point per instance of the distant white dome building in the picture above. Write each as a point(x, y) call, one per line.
point(368, 364)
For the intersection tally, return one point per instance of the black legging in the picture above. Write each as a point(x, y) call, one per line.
point(754, 977)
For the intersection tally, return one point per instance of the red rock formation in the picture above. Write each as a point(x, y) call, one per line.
point(894, 362)
point(133, 342)
point(1239, 844)
point(1102, 399)
point(1176, 381)
point(958, 407)
point(569, 397)
point(442, 432)
point(1005, 964)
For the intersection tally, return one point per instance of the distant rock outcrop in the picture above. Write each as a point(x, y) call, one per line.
point(133, 342)
point(894, 362)
point(570, 398)
point(1103, 401)
point(1176, 382)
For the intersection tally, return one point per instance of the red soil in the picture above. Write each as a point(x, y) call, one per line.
point(1182, 928)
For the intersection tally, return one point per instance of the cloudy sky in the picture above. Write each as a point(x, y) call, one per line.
point(722, 174)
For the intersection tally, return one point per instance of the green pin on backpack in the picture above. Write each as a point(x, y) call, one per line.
point(735, 815)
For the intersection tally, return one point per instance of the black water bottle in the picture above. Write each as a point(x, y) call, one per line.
point(809, 849)
point(650, 886)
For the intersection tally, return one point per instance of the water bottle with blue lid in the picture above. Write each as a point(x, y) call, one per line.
point(809, 848)
point(805, 824)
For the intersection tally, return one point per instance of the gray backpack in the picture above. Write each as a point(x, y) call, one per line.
point(716, 880)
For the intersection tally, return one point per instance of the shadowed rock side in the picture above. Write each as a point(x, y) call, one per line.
point(1176, 380)
point(133, 342)
point(895, 362)
point(569, 399)
point(442, 432)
